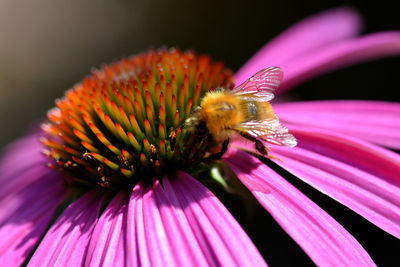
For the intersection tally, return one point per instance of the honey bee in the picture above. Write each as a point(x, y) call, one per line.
point(244, 110)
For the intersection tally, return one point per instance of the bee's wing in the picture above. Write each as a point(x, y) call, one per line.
point(270, 131)
point(261, 85)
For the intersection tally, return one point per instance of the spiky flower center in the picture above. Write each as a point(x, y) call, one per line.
point(124, 122)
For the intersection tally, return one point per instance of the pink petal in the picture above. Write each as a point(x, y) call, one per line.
point(21, 157)
point(354, 152)
point(29, 195)
point(24, 219)
point(213, 224)
point(66, 242)
point(157, 235)
point(303, 38)
point(178, 229)
point(376, 122)
point(361, 176)
point(372, 172)
point(183, 224)
point(107, 244)
point(132, 256)
point(339, 55)
point(321, 237)
point(372, 197)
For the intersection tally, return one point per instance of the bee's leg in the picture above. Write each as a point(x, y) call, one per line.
point(260, 147)
point(219, 155)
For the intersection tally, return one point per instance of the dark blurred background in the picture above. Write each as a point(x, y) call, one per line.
point(46, 46)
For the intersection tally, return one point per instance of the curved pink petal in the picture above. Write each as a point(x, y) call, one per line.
point(178, 229)
point(354, 152)
point(18, 158)
point(183, 224)
point(373, 121)
point(362, 176)
point(107, 244)
point(323, 29)
point(29, 195)
point(132, 254)
point(375, 199)
point(339, 55)
point(165, 239)
point(25, 217)
point(321, 237)
point(154, 248)
point(212, 224)
point(66, 242)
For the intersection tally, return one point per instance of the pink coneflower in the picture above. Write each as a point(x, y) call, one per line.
point(123, 187)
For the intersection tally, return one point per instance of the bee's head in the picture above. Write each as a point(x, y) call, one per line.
point(193, 121)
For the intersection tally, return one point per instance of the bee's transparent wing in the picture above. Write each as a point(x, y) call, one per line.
point(260, 86)
point(270, 131)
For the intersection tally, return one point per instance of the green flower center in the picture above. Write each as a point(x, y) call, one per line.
point(124, 123)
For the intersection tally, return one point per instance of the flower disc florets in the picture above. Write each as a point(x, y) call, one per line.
point(125, 121)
